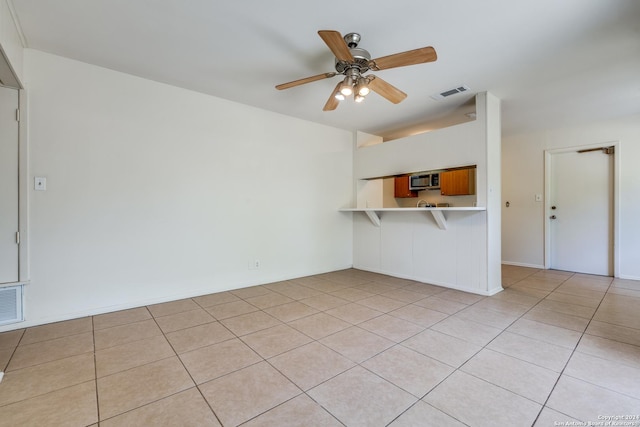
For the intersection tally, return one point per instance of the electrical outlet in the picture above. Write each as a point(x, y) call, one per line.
point(40, 183)
point(254, 264)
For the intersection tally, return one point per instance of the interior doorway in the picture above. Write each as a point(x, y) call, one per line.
point(581, 209)
point(9, 186)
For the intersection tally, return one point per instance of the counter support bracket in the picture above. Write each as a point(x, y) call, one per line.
point(440, 219)
point(373, 216)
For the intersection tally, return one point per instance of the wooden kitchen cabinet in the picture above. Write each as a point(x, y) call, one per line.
point(459, 182)
point(402, 188)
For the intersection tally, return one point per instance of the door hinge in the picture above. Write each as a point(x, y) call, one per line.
point(17, 114)
point(17, 237)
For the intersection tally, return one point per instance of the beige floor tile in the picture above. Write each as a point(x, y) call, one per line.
point(57, 330)
point(117, 335)
point(442, 305)
point(45, 378)
point(579, 291)
point(297, 292)
point(231, 309)
point(520, 377)
point(251, 291)
point(242, 395)
point(74, 405)
point(625, 283)
point(216, 360)
point(585, 402)
point(311, 364)
point(354, 313)
point(184, 320)
point(357, 344)
point(614, 376)
point(126, 356)
point(497, 319)
point(478, 403)
point(139, 386)
point(461, 297)
point(472, 332)
point(215, 299)
point(172, 307)
point(352, 294)
point(5, 355)
point(251, 322)
point(319, 325)
point(409, 370)
point(10, 340)
point(566, 321)
point(381, 303)
point(574, 299)
point(326, 286)
point(291, 311)
point(503, 306)
point(444, 348)
point(47, 351)
point(358, 397)
point(419, 413)
point(624, 291)
point(424, 288)
point(122, 317)
point(620, 315)
point(550, 418)
point(532, 292)
point(376, 287)
point(547, 333)
point(185, 409)
point(614, 332)
point(300, 411)
point(324, 302)
point(421, 316)
point(535, 283)
point(276, 340)
point(565, 308)
point(392, 328)
point(269, 300)
point(539, 353)
point(404, 295)
point(516, 297)
point(198, 337)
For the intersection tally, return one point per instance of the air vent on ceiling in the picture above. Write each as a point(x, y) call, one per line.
point(449, 92)
point(11, 304)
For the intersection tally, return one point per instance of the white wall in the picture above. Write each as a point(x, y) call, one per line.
point(155, 192)
point(409, 244)
point(523, 177)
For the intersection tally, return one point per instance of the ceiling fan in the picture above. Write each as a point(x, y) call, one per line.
point(352, 62)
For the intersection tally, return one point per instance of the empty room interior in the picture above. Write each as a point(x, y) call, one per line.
point(319, 214)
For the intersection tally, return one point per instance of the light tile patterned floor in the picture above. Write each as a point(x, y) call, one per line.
point(348, 348)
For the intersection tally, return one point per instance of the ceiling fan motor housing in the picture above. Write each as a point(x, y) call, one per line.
point(361, 61)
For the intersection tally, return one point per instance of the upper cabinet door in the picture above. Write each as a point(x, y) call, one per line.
point(459, 182)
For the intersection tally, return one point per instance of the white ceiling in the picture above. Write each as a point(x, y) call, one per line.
point(552, 62)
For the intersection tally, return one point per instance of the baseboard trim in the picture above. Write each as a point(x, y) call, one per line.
point(523, 264)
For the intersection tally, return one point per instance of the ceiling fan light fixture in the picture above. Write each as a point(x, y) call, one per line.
point(361, 88)
point(339, 96)
point(347, 86)
point(358, 98)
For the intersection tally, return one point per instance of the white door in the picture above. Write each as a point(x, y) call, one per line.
point(580, 211)
point(8, 185)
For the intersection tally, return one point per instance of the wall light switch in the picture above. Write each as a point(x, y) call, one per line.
point(538, 197)
point(40, 183)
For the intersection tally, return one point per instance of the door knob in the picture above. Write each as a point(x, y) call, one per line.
point(552, 217)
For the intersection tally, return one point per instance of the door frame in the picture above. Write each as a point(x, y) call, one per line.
point(616, 199)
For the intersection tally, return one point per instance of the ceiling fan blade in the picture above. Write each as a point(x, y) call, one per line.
point(336, 43)
point(305, 80)
point(386, 90)
point(332, 102)
point(410, 57)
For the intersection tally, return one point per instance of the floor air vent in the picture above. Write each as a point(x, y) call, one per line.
point(446, 93)
point(10, 304)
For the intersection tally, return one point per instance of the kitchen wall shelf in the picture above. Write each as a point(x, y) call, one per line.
point(438, 214)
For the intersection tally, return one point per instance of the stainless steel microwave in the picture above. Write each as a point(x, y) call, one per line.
point(421, 181)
